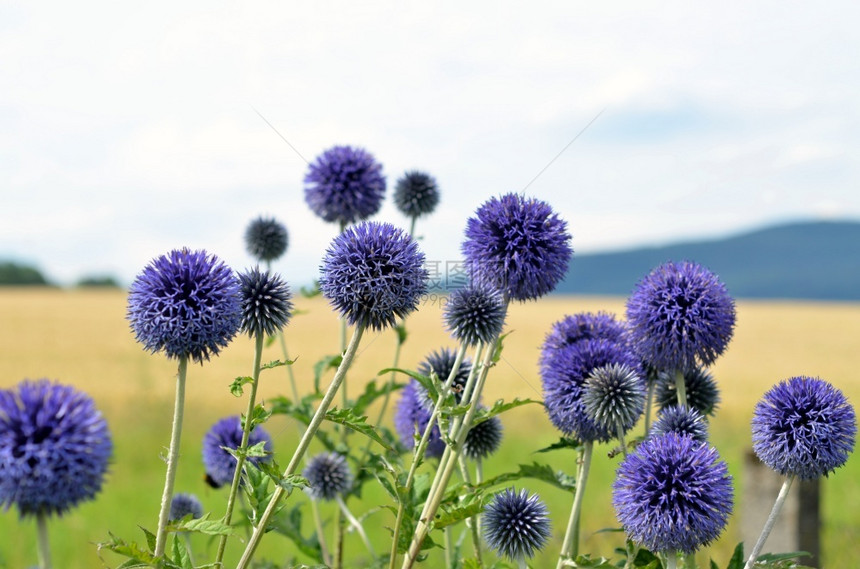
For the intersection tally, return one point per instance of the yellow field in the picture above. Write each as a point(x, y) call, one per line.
point(81, 337)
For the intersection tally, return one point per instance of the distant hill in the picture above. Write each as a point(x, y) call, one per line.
point(814, 260)
point(15, 274)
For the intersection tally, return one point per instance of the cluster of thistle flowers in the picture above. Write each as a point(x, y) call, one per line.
point(672, 493)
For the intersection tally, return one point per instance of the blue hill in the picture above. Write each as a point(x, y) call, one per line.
point(810, 260)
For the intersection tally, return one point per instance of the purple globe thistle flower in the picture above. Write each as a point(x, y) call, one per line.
point(585, 326)
point(345, 184)
point(563, 376)
point(411, 418)
point(682, 421)
point(516, 525)
point(266, 239)
point(183, 504)
point(680, 315)
point(329, 476)
point(673, 494)
point(804, 427)
point(266, 302)
point(373, 273)
point(518, 245)
point(614, 395)
point(475, 314)
point(221, 465)
point(54, 447)
point(702, 391)
point(483, 439)
point(186, 304)
point(416, 194)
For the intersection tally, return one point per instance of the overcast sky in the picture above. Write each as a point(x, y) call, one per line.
point(129, 129)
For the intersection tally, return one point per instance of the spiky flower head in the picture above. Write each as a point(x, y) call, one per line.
point(329, 476)
point(702, 391)
point(516, 525)
point(673, 494)
point(475, 313)
point(411, 417)
point(266, 302)
point(563, 374)
point(416, 194)
point(441, 362)
point(680, 315)
point(344, 184)
point(266, 239)
point(54, 448)
point(227, 433)
point(373, 273)
point(681, 420)
point(584, 326)
point(483, 439)
point(805, 427)
point(183, 504)
point(518, 245)
point(186, 304)
point(614, 396)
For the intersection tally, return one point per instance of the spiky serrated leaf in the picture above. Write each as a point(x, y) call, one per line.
point(426, 382)
point(563, 443)
point(180, 553)
point(134, 552)
point(457, 514)
point(236, 388)
point(359, 424)
point(497, 353)
point(737, 559)
point(535, 471)
point(277, 363)
point(372, 393)
point(499, 407)
point(201, 525)
point(150, 538)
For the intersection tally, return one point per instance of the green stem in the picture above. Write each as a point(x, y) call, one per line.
point(681, 388)
point(570, 547)
point(471, 523)
point(771, 519)
point(479, 478)
point(449, 546)
point(355, 524)
point(648, 404)
point(326, 558)
point(621, 439)
point(243, 446)
point(172, 457)
point(44, 544)
point(304, 443)
point(418, 454)
point(672, 560)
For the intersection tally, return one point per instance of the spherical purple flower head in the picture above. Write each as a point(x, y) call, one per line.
point(441, 362)
point(804, 427)
point(673, 494)
point(345, 184)
point(411, 417)
point(329, 476)
point(563, 377)
point(183, 504)
point(266, 239)
point(475, 313)
point(518, 245)
point(584, 326)
point(516, 525)
point(416, 194)
point(702, 391)
point(266, 302)
point(483, 439)
point(221, 465)
point(680, 315)
point(682, 421)
point(373, 273)
point(614, 395)
point(186, 304)
point(54, 447)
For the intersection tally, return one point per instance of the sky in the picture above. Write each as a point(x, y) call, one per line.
point(130, 129)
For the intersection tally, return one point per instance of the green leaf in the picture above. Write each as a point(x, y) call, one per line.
point(201, 525)
point(500, 406)
point(138, 557)
point(259, 415)
point(472, 508)
point(278, 363)
point(180, 553)
point(289, 523)
point(401, 334)
point(536, 471)
point(425, 381)
point(325, 363)
point(372, 393)
point(236, 386)
point(150, 538)
point(497, 354)
point(348, 418)
point(563, 442)
point(737, 560)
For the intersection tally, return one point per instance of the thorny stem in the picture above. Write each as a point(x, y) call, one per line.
point(172, 457)
point(570, 547)
point(305, 442)
point(243, 446)
point(771, 519)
